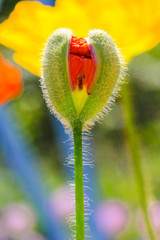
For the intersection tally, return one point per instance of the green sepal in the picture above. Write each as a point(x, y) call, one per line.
point(108, 76)
point(56, 84)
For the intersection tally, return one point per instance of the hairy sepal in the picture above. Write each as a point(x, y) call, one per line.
point(108, 76)
point(55, 80)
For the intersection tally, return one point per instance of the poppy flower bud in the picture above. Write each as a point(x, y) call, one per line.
point(81, 77)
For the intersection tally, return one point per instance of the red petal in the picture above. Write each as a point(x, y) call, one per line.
point(82, 64)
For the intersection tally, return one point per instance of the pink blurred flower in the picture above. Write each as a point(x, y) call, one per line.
point(112, 217)
point(154, 213)
point(17, 219)
point(62, 202)
point(3, 235)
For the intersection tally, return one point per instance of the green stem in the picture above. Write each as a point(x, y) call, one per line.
point(79, 194)
point(136, 161)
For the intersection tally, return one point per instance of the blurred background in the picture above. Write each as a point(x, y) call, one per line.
point(33, 174)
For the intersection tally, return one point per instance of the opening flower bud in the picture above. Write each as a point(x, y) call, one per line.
point(80, 76)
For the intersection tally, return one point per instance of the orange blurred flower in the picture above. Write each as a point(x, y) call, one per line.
point(134, 25)
point(10, 81)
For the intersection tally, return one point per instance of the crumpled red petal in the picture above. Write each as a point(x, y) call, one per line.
point(82, 64)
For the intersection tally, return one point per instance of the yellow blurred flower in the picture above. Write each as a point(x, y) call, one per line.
point(134, 25)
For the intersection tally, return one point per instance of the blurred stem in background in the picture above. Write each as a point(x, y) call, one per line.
point(135, 157)
point(20, 157)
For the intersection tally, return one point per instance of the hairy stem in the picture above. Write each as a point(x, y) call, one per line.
point(79, 192)
point(136, 161)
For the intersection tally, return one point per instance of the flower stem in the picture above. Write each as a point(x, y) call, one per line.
point(79, 192)
point(135, 157)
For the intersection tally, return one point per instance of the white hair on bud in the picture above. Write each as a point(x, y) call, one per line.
point(51, 107)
